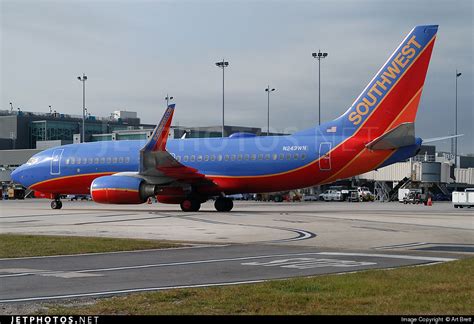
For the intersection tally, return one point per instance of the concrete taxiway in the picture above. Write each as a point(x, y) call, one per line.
point(318, 224)
point(255, 242)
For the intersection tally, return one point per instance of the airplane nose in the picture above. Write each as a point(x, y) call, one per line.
point(15, 175)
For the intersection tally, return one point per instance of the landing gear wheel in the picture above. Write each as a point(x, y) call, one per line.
point(190, 205)
point(224, 204)
point(56, 204)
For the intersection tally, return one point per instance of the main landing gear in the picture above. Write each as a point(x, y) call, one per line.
point(56, 204)
point(223, 204)
point(190, 205)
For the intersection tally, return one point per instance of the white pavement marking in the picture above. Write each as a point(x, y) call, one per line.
point(157, 265)
point(18, 272)
point(392, 256)
point(69, 274)
point(114, 292)
point(388, 247)
point(310, 263)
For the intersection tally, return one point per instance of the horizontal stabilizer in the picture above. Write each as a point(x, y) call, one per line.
point(435, 139)
point(402, 135)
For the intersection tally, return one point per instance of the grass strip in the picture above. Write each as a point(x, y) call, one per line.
point(15, 245)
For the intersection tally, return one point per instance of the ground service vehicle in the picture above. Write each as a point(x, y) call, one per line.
point(413, 197)
point(310, 198)
point(463, 198)
point(365, 194)
point(403, 193)
point(16, 192)
point(331, 195)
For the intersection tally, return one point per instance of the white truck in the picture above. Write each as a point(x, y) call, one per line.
point(331, 195)
point(403, 194)
point(463, 198)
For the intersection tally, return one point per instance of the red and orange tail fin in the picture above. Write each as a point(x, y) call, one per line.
point(392, 96)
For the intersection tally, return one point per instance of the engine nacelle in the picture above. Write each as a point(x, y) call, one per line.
point(121, 190)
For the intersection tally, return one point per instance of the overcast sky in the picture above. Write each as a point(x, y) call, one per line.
point(135, 52)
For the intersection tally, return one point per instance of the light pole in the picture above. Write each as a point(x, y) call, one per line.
point(268, 90)
point(458, 74)
point(168, 98)
point(319, 56)
point(50, 109)
point(222, 65)
point(83, 80)
point(11, 107)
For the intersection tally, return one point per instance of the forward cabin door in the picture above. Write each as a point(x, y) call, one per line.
point(56, 162)
point(325, 156)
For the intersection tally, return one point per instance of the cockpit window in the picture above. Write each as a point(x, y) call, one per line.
point(32, 161)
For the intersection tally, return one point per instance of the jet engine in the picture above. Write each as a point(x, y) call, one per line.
point(121, 190)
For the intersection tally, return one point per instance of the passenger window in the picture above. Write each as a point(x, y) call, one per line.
point(206, 158)
point(260, 156)
point(127, 159)
point(78, 161)
point(199, 158)
point(213, 157)
point(295, 156)
point(219, 157)
point(120, 159)
point(253, 157)
point(282, 156)
point(109, 160)
point(267, 156)
point(89, 160)
point(226, 157)
point(303, 156)
point(96, 160)
point(178, 158)
point(275, 156)
point(288, 156)
point(102, 160)
point(185, 158)
point(114, 160)
point(84, 160)
point(192, 158)
point(73, 160)
point(239, 157)
point(246, 157)
point(233, 157)
point(67, 161)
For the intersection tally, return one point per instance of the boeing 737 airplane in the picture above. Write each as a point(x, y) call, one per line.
point(377, 130)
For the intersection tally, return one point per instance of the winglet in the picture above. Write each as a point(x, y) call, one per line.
point(157, 141)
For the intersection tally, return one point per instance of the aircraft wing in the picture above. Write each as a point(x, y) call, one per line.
point(159, 165)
